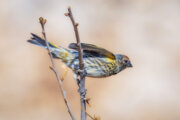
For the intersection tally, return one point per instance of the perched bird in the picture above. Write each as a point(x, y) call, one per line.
point(98, 62)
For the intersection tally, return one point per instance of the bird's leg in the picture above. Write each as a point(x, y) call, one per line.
point(82, 90)
point(78, 73)
point(75, 77)
point(84, 73)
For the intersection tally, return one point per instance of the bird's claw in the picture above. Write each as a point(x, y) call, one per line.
point(82, 92)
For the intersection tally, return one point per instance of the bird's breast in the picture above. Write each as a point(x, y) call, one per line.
point(97, 67)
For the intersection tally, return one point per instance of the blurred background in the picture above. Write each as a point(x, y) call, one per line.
point(145, 30)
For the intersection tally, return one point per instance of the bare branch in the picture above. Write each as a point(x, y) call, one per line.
point(75, 25)
point(82, 71)
point(43, 22)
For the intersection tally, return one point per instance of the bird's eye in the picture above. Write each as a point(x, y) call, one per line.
point(126, 61)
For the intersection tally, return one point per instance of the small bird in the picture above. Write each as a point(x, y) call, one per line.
point(98, 62)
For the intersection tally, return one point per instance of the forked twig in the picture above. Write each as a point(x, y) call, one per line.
point(43, 22)
point(82, 71)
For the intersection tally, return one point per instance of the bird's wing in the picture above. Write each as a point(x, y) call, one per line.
point(93, 50)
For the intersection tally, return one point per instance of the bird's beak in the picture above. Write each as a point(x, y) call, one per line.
point(129, 64)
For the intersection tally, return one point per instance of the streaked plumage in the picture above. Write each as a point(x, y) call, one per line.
point(98, 62)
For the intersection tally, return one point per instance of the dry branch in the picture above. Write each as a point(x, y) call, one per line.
point(43, 22)
point(81, 72)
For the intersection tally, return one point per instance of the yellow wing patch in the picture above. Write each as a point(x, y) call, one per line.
point(109, 60)
point(54, 45)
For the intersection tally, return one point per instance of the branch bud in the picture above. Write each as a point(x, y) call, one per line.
point(66, 14)
point(42, 20)
point(87, 101)
point(51, 68)
point(76, 24)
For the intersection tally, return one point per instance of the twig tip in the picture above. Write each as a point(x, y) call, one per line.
point(69, 7)
point(42, 20)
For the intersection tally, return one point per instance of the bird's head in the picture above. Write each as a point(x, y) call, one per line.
point(123, 61)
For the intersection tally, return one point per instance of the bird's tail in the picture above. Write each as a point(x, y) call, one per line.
point(57, 51)
point(40, 42)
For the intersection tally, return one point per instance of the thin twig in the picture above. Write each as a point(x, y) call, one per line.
point(43, 22)
point(82, 71)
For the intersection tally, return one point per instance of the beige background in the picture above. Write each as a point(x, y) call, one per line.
point(148, 31)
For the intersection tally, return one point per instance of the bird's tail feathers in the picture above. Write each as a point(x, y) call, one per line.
point(57, 51)
point(39, 41)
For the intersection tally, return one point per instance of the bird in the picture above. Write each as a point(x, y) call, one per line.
point(98, 62)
